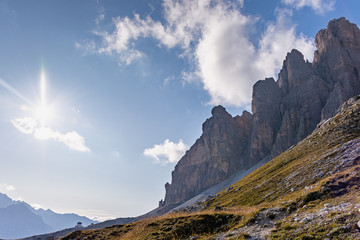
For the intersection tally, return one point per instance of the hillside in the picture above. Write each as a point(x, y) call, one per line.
point(310, 191)
point(284, 112)
point(314, 181)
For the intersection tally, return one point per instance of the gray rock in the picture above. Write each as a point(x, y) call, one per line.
point(284, 112)
point(216, 155)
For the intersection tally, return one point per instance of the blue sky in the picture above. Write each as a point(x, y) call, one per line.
point(100, 99)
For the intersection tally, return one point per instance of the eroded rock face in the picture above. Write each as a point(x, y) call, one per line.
point(284, 112)
point(309, 92)
point(337, 61)
point(216, 155)
point(266, 119)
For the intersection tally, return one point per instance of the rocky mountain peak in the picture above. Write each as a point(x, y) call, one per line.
point(265, 92)
point(244, 120)
point(215, 156)
point(295, 71)
point(331, 42)
point(337, 62)
point(284, 112)
point(219, 111)
point(338, 31)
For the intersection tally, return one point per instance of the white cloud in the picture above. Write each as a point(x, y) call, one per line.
point(87, 46)
point(225, 58)
point(214, 36)
point(126, 30)
point(241, 2)
point(6, 187)
point(130, 56)
point(168, 80)
point(101, 15)
point(319, 6)
point(31, 126)
point(25, 125)
point(167, 152)
point(279, 38)
point(190, 77)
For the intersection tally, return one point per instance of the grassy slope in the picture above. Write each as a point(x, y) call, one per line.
point(313, 159)
point(287, 195)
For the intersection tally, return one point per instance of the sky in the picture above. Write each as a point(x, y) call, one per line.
point(100, 99)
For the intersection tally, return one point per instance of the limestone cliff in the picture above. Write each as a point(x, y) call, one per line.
point(217, 154)
point(310, 92)
point(284, 112)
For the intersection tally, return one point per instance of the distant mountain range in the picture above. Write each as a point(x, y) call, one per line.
point(18, 219)
point(311, 191)
point(288, 170)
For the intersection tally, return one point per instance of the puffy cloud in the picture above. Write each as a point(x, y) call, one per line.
point(319, 6)
point(280, 38)
point(241, 2)
point(31, 126)
point(225, 59)
point(6, 187)
point(167, 152)
point(25, 125)
point(126, 30)
point(214, 36)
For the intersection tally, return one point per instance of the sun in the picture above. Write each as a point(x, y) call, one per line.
point(44, 114)
point(42, 111)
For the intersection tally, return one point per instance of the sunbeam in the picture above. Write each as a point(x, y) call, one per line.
point(42, 111)
point(11, 89)
point(40, 118)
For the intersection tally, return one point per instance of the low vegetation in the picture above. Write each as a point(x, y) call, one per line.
point(176, 226)
point(310, 191)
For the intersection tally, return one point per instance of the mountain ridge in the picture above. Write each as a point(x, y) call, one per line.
point(18, 219)
point(283, 113)
point(304, 113)
point(311, 191)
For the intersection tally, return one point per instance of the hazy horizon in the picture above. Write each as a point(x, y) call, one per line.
point(100, 99)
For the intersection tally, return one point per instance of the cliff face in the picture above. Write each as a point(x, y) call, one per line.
point(284, 112)
point(337, 61)
point(301, 96)
point(216, 155)
point(309, 92)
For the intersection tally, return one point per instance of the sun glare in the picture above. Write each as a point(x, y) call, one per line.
point(43, 112)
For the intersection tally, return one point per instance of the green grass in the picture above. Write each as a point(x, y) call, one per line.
point(178, 226)
point(299, 181)
point(305, 164)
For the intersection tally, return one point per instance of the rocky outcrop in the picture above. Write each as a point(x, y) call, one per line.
point(337, 61)
point(216, 155)
point(266, 119)
point(284, 112)
point(310, 92)
point(303, 97)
